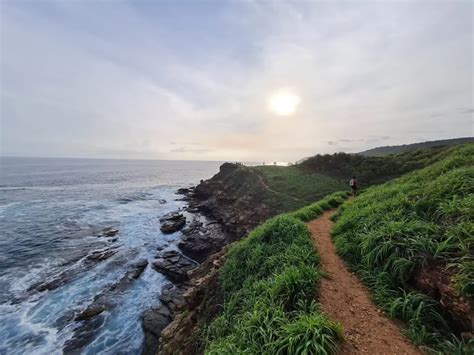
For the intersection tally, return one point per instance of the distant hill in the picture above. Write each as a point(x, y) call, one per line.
point(382, 151)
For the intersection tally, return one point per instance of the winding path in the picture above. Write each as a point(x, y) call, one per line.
point(267, 187)
point(345, 300)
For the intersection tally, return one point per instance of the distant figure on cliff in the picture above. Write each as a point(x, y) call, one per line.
point(353, 184)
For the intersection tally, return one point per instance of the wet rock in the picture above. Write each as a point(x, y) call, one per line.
point(108, 232)
point(90, 312)
point(192, 209)
point(64, 277)
point(83, 335)
point(162, 201)
point(172, 296)
point(177, 337)
point(172, 222)
point(92, 318)
point(172, 216)
point(174, 265)
point(101, 255)
point(154, 320)
point(198, 244)
point(184, 190)
point(138, 269)
point(235, 197)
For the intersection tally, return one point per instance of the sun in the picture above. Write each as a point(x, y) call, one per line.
point(284, 103)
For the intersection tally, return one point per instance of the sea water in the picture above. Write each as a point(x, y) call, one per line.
point(51, 213)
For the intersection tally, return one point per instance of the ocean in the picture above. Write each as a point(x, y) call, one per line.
point(51, 214)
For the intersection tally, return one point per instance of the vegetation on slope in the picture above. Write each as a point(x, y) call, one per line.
point(412, 242)
point(268, 285)
point(372, 170)
point(300, 186)
point(394, 149)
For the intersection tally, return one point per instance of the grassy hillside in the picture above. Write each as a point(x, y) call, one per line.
point(395, 149)
point(295, 187)
point(412, 242)
point(371, 170)
point(289, 188)
point(268, 284)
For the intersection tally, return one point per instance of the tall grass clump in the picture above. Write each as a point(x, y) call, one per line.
point(268, 284)
point(419, 222)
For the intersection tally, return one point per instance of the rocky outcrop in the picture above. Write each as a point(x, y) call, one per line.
point(108, 232)
point(174, 265)
point(90, 319)
point(201, 239)
point(172, 222)
point(155, 319)
point(233, 203)
point(200, 304)
point(234, 197)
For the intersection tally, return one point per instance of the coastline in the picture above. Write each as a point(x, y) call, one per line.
point(218, 216)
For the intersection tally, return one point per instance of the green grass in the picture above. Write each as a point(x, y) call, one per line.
point(295, 182)
point(268, 284)
point(372, 170)
point(296, 186)
point(423, 219)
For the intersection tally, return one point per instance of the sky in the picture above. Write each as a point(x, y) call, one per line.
point(196, 79)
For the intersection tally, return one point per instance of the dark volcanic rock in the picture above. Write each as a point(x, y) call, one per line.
point(90, 312)
point(172, 297)
point(91, 319)
point(177, 337)
point(200, 241)
point(200, 245)
point(235, 197)
point(174, 265)
point(84, 334)
point(172, 222)
point(154, 320)
point(68, 275)
point(108, 232)
point(101, 255)
point(184, 190)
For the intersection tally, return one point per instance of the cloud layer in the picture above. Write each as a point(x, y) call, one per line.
point(191, 80)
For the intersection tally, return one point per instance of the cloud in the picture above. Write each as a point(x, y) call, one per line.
point(468, 111)
point(131, 78)
point(189, 150)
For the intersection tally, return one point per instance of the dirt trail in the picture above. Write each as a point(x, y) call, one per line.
point(346, 300)
point(265, 185)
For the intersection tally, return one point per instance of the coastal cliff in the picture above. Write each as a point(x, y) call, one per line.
point(235, 201)
point(234, 197)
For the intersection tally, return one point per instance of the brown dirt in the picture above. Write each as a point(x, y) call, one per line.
point(436, 281)
point(345, 300)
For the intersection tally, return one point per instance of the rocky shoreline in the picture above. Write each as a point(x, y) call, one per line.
point(222, 210)
point(201, 237)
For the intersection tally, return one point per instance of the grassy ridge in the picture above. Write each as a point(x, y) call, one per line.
point(372, 170)
point(298, 183)
point(418, 222)
point(268, 284)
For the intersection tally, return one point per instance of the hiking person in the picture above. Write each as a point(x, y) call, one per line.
point(353, 184)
